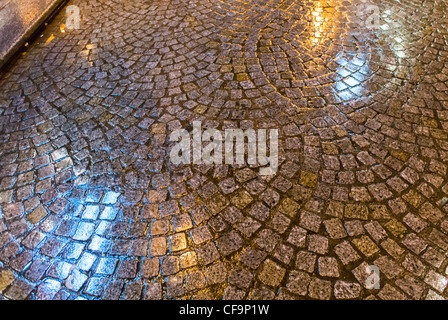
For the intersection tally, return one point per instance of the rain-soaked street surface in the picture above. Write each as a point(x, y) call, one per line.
point(93, 208)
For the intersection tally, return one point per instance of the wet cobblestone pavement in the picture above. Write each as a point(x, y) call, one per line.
point(92, 208)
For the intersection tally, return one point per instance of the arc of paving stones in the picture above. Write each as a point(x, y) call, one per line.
point(268, 226)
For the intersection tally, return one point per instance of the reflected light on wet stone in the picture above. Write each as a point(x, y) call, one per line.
point(48, 289)
point(91, 206)
point(50, 38)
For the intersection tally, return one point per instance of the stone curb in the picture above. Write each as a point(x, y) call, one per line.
point(22, 38)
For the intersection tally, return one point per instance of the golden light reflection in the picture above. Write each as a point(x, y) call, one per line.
point(62, 28)
point(318, 21)
point(49, 39)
